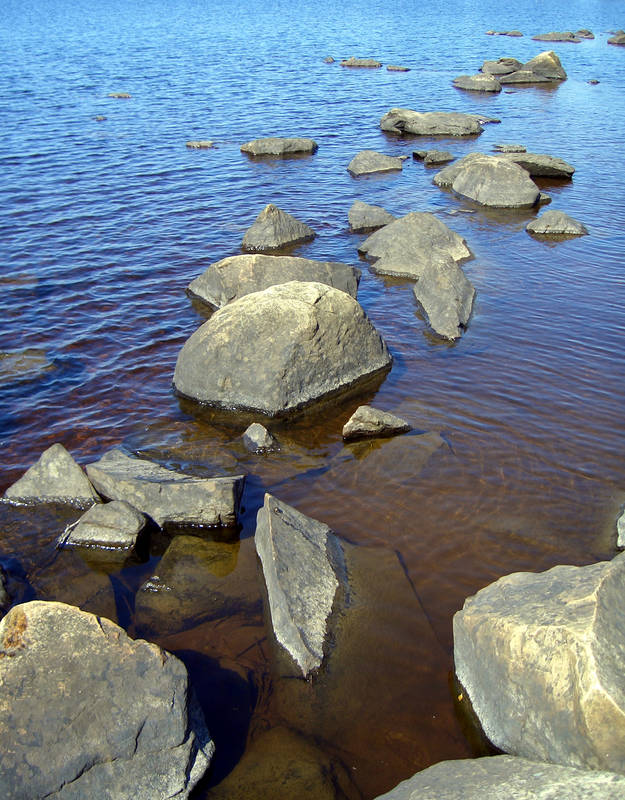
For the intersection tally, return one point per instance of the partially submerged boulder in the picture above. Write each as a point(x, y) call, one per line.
point(490, 181)
point(396, 68)
point(482, 82)
point(503, 66)
point(258, 439)
point(432, 158)
point(618, 38)
point(98, 714)
point(113, 526)
point(543, 68)
point(200, 144)
point(367, 421)
point(557, 36)
point(556, 223)
point(541, 166)
point(504, 33)
point(540, 656)
point(369, 162)
point(430, 123)
point(55, 477)
point(236, 276)
point(446, 296)
point(316, 341)
point(167, 497)
point(273, 229)
point(279, 146)
point(363, 217)
point(510, 148)
point(304, 568)
point(367, 63)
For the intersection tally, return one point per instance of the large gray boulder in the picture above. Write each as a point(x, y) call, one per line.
point(273, 229)
point(55, 477)
point(367, 421)
point(503, 66)
point(507, 778)
point(541, 658)
point(304, 568)
point(446, 296)
point(482, 82)
point(236, 276)
point(279, 146)
point(363, 217)
point(430, 123)
point(85, 711)
point(541, 166)
point(490, 181)
point(280, 349)
point(114, 526)
point(556, 223)
point(168, 497)
point(543, 68)
point(369, 162)
point(407, 246)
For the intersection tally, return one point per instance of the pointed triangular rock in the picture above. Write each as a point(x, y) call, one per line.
point(274, 229)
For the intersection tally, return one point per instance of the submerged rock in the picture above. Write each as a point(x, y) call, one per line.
point(279, 146)
point(504, 33)
point(367, 421)
point(106, 716)
point(167, 497)
point(113, 525)
point(556, 223)
point(258, 439)
point(395, 68)
point(490, 181)
point(446, 296)
point(541, 166)
point(273, 229)
point(237, 276)
point(481, 82)
point(540, 656)
point(316, 342)
point(430, 123)
point(304, 568)
point(200, 144)
point(57, 478)
point(368, 162)
point(362, 217)
point(370, 63)
point(25, 364)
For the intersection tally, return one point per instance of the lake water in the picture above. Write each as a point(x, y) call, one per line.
point(104, 223)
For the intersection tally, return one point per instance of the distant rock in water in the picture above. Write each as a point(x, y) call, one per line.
point(120, 95)
point(370, 63)
point(395, 68)
point(556, 223)
point(584, 33)
point(366, 422)
point(430, 123)
point(200, 144)
point(504, 33)
point(273, 229)
point(618, 38)
point(279, 146)
point(510, 148)
point(368, 162)
point(328, 60)
point(363, 217)
point(557, 36)
point(477, 83)
point(490, 181)
point(543, 68)
point(315, 341)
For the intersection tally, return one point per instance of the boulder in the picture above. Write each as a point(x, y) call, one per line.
point(430, 123)
point(114, 526)
point(548, 65)
point(395, 68)
point(279, 146)
point(541, 166)
point(88, 712)
point(482, 82)
point(367, 421)
point(258, 439)
point(557, 36)
point(167, 497)
point(540, 656)
point(523, 76)
point(304, 568)
point(236, 276)
point(618, 38)
point(273, 229)
point(370, 63)
point(434, 157)
point(490, 181)
point(556, 223)
point(362, 217)
point(368, 162)
point(503, 66)
point(200, 144)
point(407, 246)
point(57, 478)
point(25, 364)
point(446, 296)
point(506, 778)
point(584, 33)
point(316, 341)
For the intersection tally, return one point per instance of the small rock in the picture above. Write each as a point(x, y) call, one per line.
point(557, 36)
point(482, 82)
point(510, 148)
point(544, 199)
point(258, 439)
point(618, 38)
point(113, 525)
point(200, 144)
point(435, 157)
point(363, 217)
point(328, 60)
point(273, 229)
point(279, 146)
point(556, 223)
point(593, 82)
point(370, 63)
point(394, 68)
point(100, 118)
point(419, 155)
point(120, 95)
point(504, 33)
point(369, 162)
point(367, 421)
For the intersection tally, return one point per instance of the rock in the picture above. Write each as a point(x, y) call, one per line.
point(618, 38)
point(304, 569)
point(277, 146)
point(490, 181)
point(316, 340)
point(620, 530)
point(506, 778)
point(523, 76)
point(113, 525)
point(328, 60)
point(100, 118)
point(273, 229)
point(557, 36)
point(540, 656)
point(368, 162)
point(482, 82)
point(556, 223)
point(370, 63)
point(407, 246)
point(5, 597)
point(503, 66)
point(363, 217)
point(593, 82)
point(367, 421)
point(504, 33)
point(25, 364)
point(419, 155)
point(548, 65)
point(541, 166)
point(106, 716)
point(446, 296)
point(543, 199)
point(167, 497)
point(430, 123)
point(55, 478)
point(435, 157)
point(394, 68)
point(258, 439)
point(120, 95)
point(584, 33)
point(236, 276)
point(510, 148)
point(200, 144)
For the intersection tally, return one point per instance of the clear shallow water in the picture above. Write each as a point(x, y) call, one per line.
point(103, 224)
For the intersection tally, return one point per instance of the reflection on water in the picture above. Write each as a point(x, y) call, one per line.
point(515, 461)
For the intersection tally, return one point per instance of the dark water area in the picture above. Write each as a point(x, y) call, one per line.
point(104, 223)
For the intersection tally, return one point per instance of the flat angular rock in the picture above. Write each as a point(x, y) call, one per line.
point(113, 525)
point(430, 123)
point(434, 157)
point(542, 166)
point(481, 82)
point(56, 477)
point(200, 144)
point(446, 296)
point(618, 38)
point(362, 217)
point(556, 223)
point(367, 421)
point(258, 439)
point(506, 778)
point(236, 276)
point(369, 63)
point(23, 364)
point(584, 33)
point(368, 162)
point(395, 68)
point(304, 568)
point(166, 496)
point(98, 714)
point(279, 146)
point(557, 36)
point(273, 229)
point(316, 341)
point(490, 181)
point(407, 246)
point(540, 656)
point(510, 148)
point(120, 95)
point(523, 76)
point(504, 33)
point(503, 66)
